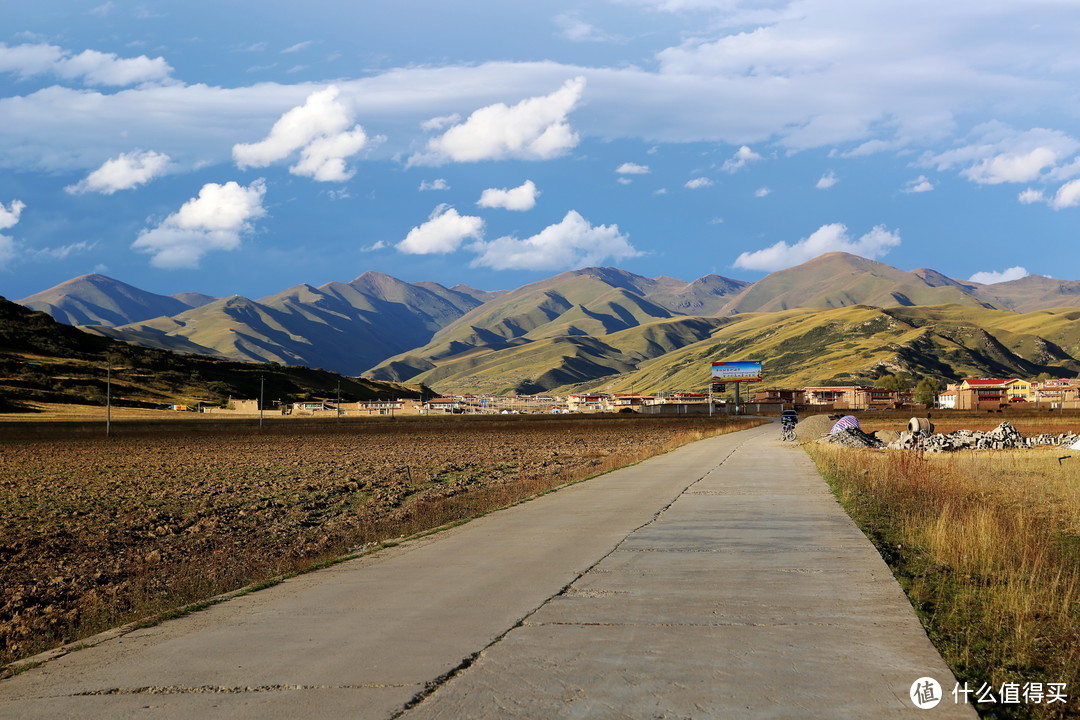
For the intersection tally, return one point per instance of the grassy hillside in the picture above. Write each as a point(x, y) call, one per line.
point(798, 347)
point(595, 302)
point(43, 361)
point(860, 343)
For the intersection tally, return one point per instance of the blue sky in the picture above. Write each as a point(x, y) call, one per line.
point(244, 147)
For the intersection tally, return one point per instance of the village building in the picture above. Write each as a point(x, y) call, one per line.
point(778, 395)
point(588, 402)
point(857, 397)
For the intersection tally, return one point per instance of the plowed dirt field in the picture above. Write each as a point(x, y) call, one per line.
point(96, 531)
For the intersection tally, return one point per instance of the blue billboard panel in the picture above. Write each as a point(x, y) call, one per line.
point(734, 372)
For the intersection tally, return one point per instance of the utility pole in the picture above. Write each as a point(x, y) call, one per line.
point(261, 387)
point(337, 406)
point(108, 398)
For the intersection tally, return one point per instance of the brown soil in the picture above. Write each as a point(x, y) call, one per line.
point(97, 531)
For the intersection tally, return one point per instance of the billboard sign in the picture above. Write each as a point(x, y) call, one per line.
point(736, 372)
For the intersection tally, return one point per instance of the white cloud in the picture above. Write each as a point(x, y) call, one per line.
point(629, 168)
point(444, 232)
point(920, 184)
point(215, 220)
point(827, 180)
point(436, 184)
point(623, 180)
point(763, 192)
point(571, 243)
point(319, 129)
point(9, 215)
point(996, 154)
point(90, 66)
point(992, 277)
point(828, 238)
point(534, 129)
point(1068, 195)
point(1012, 167)
point(699, 182)
point(377, 245)
point(742, 157)
point(124, 172)
point(523, 197)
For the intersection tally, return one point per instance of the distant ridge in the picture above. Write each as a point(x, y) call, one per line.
point(570, 329)
point(99, 300)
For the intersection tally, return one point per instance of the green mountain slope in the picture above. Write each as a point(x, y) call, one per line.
point(43, 361)
point(859, 343)
point(839, 279)
point(345, 327)
point(594, 302)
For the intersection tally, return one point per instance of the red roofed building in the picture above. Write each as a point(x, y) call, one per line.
point(983, 394)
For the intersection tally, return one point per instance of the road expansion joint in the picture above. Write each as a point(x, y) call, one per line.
point(714, 624)
point(433, 685)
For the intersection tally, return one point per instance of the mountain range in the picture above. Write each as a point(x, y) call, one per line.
point(836, 318)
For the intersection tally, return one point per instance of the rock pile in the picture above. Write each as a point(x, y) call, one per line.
point(852, 437)
point(1003, 437)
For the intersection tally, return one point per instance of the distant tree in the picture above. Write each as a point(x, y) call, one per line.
point(899, 381)
point(927, 390)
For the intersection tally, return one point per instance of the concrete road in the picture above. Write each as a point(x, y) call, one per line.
point(720, 580)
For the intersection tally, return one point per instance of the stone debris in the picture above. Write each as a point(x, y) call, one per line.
point(1003, 437)
point(852, 437)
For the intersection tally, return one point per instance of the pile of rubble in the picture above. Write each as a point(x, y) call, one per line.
point(1003, 437)
point(853, 438)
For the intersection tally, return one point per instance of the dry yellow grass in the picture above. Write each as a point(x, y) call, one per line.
point(987, 546)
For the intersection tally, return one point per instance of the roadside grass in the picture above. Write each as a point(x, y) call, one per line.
point(987, 547)
point(116, 566)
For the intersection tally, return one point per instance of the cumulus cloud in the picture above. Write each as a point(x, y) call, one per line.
point(90, 66)
point(920, 184)
point(534, 129)
point(571, 243)
point(124, 172)
point(629, 168)
point(215, 220)
point(742, 157)
point(991, 277)
point(436, 184)
point(444, 232)
point(827, 180)
point(828, 238)
point(523, 197)
point(699, 182)
point(319, 130)
point(1067, 196)
point(9, 214)
point(997, 153)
